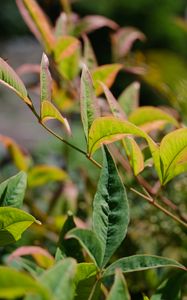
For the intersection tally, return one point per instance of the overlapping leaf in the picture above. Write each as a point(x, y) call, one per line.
point(129, 98)
point(119, 290)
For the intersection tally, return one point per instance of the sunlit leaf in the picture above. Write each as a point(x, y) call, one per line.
point(89, 55)
point(110, 209)
point(173, 154)
point(42, 174)
point(141, 262)
point(38, 22)
point(105, 74)
point(150, 118)
point(12, 191)
point(89, 241)
point(9, 78)
point(87, 100)
point(129, 98)
point(67, 55)
point(14, 284)
point(49, 111)
point(119, 290)
point(45, 79)
point(13, 222)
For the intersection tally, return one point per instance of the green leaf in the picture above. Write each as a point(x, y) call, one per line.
point(12, 191)
point(13, 222)
point(106, 74)
point(45, 79)
point(87, 101)
point(151, 118)
point(119, 290)
point(69, 247)
point(60, 279)
point(89, 55)
point(89, 242)
point(67, 56)
point(173, 154)
point(49, 111)
point(171, 287)
point(42, 174)
point(129, 98)
point(141, 262)
point(9, 78)
point(110, 209)
point(14, 284)
point(134, 153)
point(84, 280)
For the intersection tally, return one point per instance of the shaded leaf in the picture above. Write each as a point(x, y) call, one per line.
point(119, 290)
point(89, 55)
point(150, 118)
point(42, 174)
point(9, 78)
point(13, 222)
point(105, 74)
point(89, 242)
point(110, 209)
point(14, 284)
point(141, 262)
point(45, 79)
point(12, 191)
point(129, 98)
point(49, 111)
point(61, 25)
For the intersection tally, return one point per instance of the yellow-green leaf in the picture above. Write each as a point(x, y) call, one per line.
point(106, 74)
point(129, 98)
point(49, 111)
point(45, 79)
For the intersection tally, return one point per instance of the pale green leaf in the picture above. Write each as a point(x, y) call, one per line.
point(14, 284)
point(49, 111)
point(110, 209)
point(42, 174)
point(13, 222)
point(119, 290)
point(173, 154)
point(9, 78)
point(89, 55)
point(12, 191)
point(106, 74)
point(45, 79)
point(89, 242)
point(150, 118)
point(129, 98)
point(141, 262)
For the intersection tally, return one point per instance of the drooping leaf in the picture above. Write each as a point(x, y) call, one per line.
point(105, 74)
point(173, 154)
point(110, 209)
point(49, 111)
point(67, 55)
point(45, 79)
point(141, 262)
point(13, 222)
point(89, 55)
point(129, 98)
point(171, 287)
point(150, 118)
point(89, 242)
point(9, 78)
point(14, 284)
point(42, 174)
point(84, 280)
point(60, 279)
point(119, 290)
point(123, 40)
point(38, 22)
point(134, 153)
point(87, 100)
point(12, 191)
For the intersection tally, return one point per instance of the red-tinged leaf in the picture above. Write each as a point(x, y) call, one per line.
point(28, 68)
point(106, 74)
point(49, 111)
point(115, 108)
point(89, 55)
point(37, 22)
point(123, 40)
point(64, 24)
point(9, 78)
point(42, 256)
point(45, 79)
point(129, 98)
